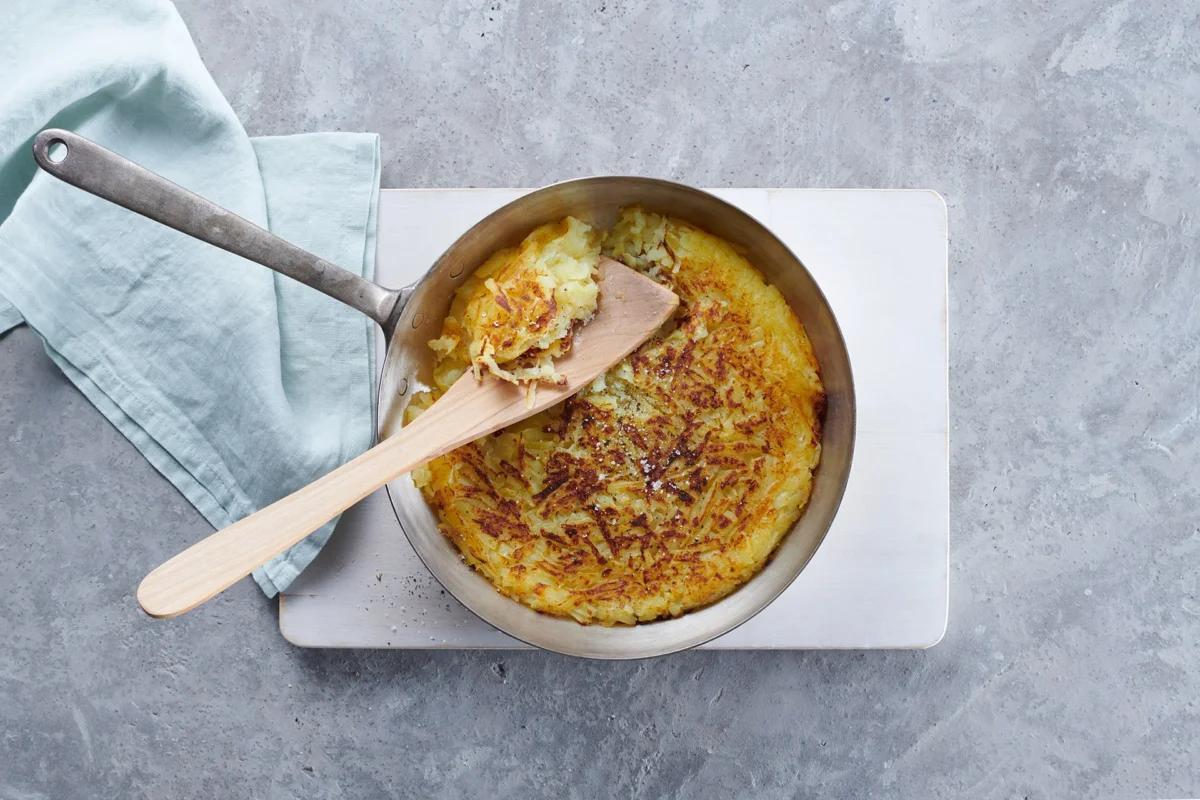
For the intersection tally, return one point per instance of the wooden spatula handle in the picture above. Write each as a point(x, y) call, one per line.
point(212, 565)
point(632, 309)
point(466, 412)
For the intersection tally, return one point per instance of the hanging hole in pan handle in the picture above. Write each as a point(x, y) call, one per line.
point(56, 151)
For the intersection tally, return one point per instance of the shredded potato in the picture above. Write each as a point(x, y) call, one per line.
point(670, 480)
point(515, 314)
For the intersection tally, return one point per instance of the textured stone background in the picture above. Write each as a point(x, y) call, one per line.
point(1064, 136)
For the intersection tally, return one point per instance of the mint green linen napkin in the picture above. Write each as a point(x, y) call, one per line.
point(237, 384)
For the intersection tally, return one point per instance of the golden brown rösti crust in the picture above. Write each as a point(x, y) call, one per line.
point(669, 482)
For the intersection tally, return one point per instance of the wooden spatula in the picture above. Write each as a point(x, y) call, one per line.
point(631, 309)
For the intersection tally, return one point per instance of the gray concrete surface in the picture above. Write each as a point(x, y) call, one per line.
point(1065, 138)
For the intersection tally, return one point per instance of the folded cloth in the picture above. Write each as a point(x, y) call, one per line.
point(237, 384)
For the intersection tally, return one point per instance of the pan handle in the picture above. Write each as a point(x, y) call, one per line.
point(88, 166)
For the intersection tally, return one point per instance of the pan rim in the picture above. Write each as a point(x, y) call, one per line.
point(769, 596)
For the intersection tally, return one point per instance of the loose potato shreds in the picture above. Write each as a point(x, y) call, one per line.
point(524, 302)
point(668, 483)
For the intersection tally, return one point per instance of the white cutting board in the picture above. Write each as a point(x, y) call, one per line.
point(880, 578)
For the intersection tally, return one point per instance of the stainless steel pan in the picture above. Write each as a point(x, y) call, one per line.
point(412, 316)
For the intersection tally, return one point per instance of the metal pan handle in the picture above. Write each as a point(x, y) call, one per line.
point(88, 166)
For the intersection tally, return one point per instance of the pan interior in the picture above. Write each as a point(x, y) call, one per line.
point(597, 201)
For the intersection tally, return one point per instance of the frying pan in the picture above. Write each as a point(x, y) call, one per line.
point(411, 316)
